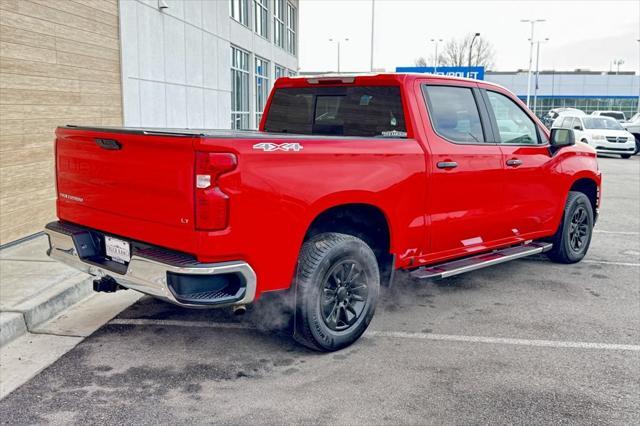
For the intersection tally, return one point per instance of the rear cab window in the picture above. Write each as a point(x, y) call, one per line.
point(368, 111)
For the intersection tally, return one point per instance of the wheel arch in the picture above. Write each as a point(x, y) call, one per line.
point(364, 220)
point(588, 187)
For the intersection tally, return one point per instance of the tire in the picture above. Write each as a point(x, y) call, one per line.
point(569, 247)
point(337, 287)
point(625, 156)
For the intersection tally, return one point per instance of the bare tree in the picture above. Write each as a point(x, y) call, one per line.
point(455, 53)
point(420, 62)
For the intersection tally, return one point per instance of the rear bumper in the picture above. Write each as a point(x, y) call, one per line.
point(155, 271)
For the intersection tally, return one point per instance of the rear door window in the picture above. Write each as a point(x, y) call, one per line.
point(454, 113)
point(374, 111)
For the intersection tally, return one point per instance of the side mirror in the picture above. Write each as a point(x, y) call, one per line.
point(562, 137)
point(577, 128)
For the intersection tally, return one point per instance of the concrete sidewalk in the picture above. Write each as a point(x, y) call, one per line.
point(34, 289)
point(46, 309)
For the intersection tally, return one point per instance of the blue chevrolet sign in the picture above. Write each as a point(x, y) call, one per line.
point(468, 72)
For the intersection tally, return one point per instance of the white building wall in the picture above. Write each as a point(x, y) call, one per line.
point(176, 63)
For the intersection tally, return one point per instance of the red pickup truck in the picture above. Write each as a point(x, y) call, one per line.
point(347, 180)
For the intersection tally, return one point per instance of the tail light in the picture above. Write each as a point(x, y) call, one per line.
point(212, 204)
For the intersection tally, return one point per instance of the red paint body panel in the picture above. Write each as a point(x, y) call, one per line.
point(145, 191)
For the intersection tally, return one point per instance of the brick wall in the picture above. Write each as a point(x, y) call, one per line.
point(59, 64)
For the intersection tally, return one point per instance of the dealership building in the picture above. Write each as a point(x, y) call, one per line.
point(581, 89)
point(155, 63)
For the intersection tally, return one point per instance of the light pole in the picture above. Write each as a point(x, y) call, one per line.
point(476, 35)
point(535, 90)
point(533, 23)
point(617, 63)
point(435, 59)
point(373, 21)
point(337, 41)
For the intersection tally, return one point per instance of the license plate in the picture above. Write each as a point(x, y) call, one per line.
point(117, 250)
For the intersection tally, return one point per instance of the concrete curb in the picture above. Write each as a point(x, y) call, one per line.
point(11, 326)
point(27, 315)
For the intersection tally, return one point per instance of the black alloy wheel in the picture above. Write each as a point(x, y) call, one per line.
point(345, 295)
point(571, 240)
point(578, 229)
point(337, 286)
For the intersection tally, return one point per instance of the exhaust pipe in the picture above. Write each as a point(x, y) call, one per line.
point(239, 310)
point(106, 284)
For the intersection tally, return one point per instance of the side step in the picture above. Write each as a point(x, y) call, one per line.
point(480, 261)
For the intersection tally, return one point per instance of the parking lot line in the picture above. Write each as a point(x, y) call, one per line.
point(402, 335)
point(505, 341)
point(607, 262)
point(598, 231)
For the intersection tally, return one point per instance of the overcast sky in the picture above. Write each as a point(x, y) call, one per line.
point(583, 34)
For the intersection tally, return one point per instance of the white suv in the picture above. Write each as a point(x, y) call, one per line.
point(605, 134)
point(633, 127)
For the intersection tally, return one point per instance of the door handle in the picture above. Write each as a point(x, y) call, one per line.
point(447, 164)
point(514, 162)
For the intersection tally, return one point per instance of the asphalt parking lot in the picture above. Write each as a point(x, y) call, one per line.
point(525, 342)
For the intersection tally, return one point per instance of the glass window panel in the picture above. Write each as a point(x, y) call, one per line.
point(239, 10)
point(514, 125)
point(346, 111)
point(239, 89)
point(454, 113)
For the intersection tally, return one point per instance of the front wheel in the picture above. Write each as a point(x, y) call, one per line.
point(572, 239)
point(337, 287)
point(625, 156)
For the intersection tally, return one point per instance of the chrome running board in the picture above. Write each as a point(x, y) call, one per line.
point(480, 261)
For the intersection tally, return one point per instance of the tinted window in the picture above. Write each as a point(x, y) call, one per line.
point(454, 113)
point(347, 111)
point(616, 115)
point(514, 125)
point(567, 123)
point(602, 123)
point(576, 124)
point(562, 122)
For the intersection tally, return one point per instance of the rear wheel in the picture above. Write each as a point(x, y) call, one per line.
point(337, 288)
point(571, 241)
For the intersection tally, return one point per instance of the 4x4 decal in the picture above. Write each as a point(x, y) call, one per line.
point(270, 147)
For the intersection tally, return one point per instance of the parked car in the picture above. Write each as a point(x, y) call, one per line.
point(552, 114)
point(633, 126)
point(347, 180)
point(617, 115)
point(605, 134)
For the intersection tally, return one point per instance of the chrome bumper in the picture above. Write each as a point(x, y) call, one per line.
point(147, 275)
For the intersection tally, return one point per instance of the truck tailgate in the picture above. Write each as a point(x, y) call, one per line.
point(139, 178)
